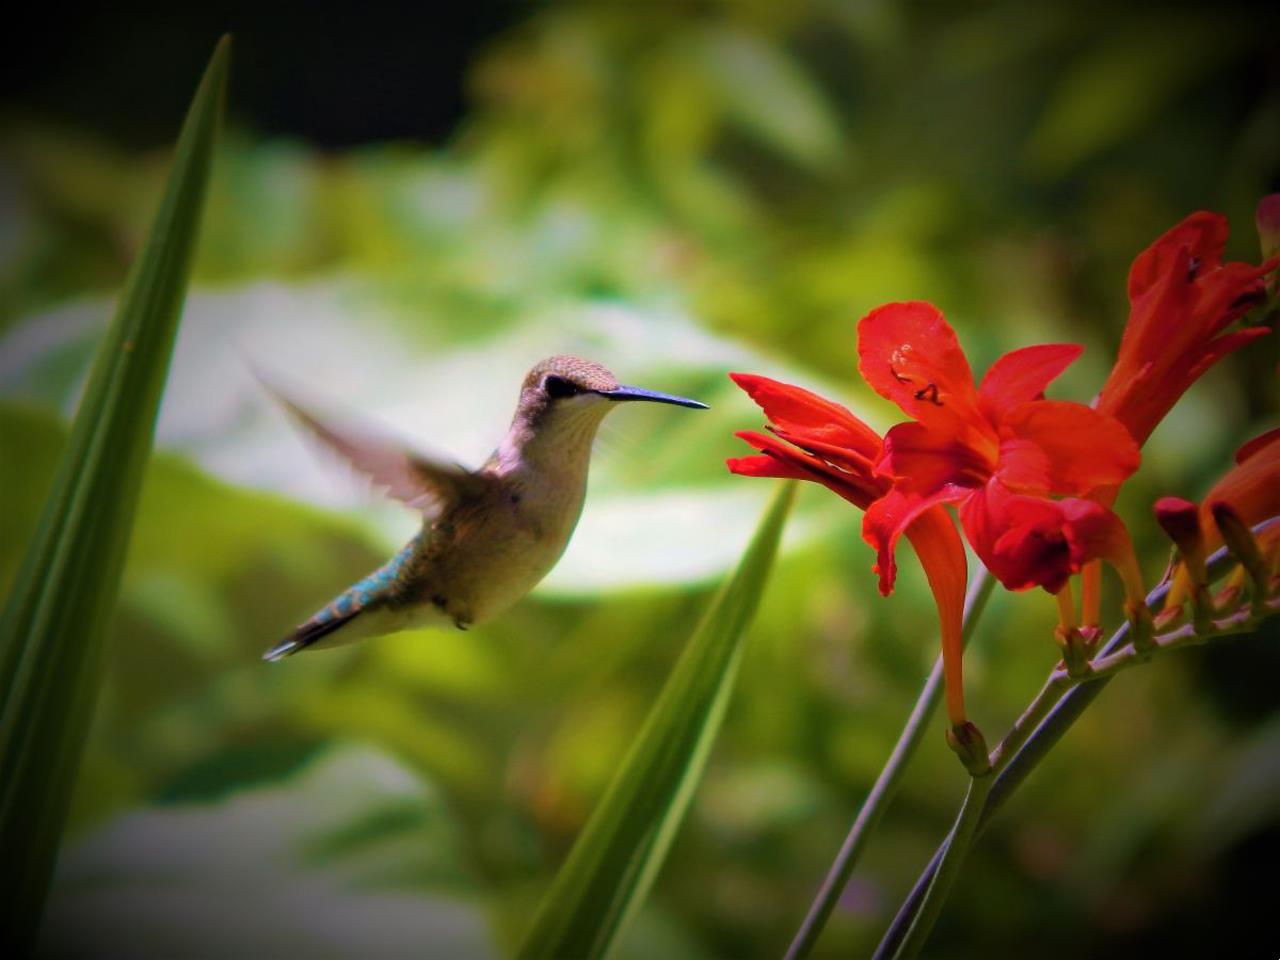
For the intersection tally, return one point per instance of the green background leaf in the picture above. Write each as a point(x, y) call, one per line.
point(56, 617)
point(614, 861)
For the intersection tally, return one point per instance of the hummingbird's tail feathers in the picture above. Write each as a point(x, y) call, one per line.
point(371, 593)
point(308, 633)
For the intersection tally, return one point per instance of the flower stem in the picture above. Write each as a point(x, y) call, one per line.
point(886, 784)
point(959, 841)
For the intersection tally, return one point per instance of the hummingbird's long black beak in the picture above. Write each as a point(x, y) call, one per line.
point(624, 392)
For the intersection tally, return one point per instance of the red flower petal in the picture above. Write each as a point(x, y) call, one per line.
point(1022, 375)
point(1220, 347)
point(803, 414)
point(1032, 541)
point(1251, 487)
point(1095, 533)
point(1018, 538)
point(889, 517)
point(763, 465)
point(938, 545)
point(799, 465)
point(1055, 446)
point(1201, 236)
point(909, 354)
point(923, 458)
point(846, 459)
point(1258, 444)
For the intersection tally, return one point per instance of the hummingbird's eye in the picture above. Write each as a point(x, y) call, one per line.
point(559, 387)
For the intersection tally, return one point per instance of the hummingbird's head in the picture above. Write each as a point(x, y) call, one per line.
point(571, 383)
point(566, 397)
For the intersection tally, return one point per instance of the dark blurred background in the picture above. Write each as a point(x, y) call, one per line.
point(391, 71)
point(411, 207)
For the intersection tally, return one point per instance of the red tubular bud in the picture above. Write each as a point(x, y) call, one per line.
point(1180, 520)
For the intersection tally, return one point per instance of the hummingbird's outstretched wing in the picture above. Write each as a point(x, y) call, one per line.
point(416, 480)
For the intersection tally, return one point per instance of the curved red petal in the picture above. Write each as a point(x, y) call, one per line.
point(1216, 349)
point(889, 517)
point(763, 465)
point(1251, 487)
point(1022, 375)
point(1055, 446)
point(909, 354)
point(804, 414)
point(1259, 443)
point(937, 544)
point(799, 465)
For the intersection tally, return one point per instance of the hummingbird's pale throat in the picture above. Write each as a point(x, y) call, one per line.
point(488, 535)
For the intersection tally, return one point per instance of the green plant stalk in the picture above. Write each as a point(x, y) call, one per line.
point(886, 785)
point(615, 859)
point(960, 840)
point(55, 619)
point(1039, 736)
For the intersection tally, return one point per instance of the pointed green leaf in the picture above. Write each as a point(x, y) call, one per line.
point(615, 859)
point(55, 618)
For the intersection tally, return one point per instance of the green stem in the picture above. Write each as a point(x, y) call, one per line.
point(963, 833)
point(1057, 684)
point(886, 784)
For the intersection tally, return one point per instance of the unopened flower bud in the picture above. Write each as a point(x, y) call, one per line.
point(1243, 546)
point(1180, 520)
point(1236, 535)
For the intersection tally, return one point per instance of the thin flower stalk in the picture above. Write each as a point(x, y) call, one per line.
point(886, 785)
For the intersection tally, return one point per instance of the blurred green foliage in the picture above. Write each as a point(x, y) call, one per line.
point(676, 189)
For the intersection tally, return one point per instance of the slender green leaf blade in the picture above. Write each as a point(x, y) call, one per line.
point(55, 618)
point(615, 859)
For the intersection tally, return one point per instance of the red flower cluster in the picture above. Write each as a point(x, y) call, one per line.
point(1032, 479)
point(998, 451)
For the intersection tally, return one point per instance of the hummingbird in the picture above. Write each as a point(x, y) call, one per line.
point(488, 535)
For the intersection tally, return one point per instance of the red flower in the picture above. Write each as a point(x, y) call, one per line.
point(824, 442)
point(998, 450)
point(816, 439)
point(1181, 299)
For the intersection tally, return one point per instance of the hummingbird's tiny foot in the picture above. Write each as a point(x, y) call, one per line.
point(461, 624)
